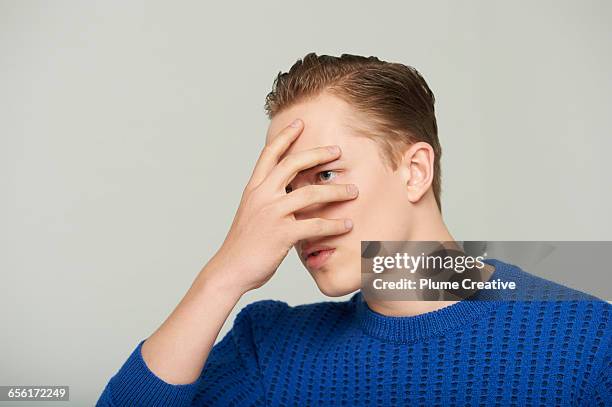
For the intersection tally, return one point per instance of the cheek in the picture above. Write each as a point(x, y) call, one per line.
point(377, 191)
point(380, 210)
point(380, 198)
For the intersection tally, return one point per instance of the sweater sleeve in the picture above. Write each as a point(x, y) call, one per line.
point(231, 375)
point(136, 385)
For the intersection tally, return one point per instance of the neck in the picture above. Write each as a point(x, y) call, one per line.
point(428, 226)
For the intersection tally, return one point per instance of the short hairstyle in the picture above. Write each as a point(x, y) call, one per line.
point(395, 99)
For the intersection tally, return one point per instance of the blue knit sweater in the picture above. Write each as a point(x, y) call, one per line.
point(493, 353)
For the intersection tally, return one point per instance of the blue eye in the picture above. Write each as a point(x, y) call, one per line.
point(325, 172)
point(288, 188)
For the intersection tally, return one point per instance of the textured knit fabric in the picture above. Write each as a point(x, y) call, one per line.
point(342, 353)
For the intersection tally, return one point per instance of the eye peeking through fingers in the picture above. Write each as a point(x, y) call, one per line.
point(326, 178)
point(324, 172)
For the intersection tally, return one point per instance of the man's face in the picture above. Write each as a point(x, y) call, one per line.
point(380, 212)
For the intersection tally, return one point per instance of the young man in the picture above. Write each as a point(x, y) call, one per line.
point(444, 353)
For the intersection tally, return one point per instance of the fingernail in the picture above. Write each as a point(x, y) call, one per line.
point(352, 188)
point(334, 149)
point(348, 223)
point(296, 123)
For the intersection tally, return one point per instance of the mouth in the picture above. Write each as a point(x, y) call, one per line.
point(316, 259)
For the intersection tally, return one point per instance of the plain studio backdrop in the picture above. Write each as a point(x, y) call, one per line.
point(129, 129)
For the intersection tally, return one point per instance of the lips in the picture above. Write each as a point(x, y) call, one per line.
point(314, 250)
point(316, 253)
point(318, 258)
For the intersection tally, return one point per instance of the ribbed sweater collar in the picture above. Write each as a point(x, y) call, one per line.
point(408, 329)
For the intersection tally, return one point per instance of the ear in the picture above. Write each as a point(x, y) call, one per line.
point(417, 168)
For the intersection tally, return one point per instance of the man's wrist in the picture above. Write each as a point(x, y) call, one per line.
point(217, 282)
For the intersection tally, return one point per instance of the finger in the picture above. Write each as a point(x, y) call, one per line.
point(288, 168)
point(272, 152)
point(317, 227)
point(312, 194)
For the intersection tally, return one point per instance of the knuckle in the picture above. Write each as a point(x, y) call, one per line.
point(320, 226)
point(248, 189)
point(252, 196)
point(311, 193)
point(268, 149)
point(285, 162)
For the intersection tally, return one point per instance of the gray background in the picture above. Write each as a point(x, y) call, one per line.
point(129, 129)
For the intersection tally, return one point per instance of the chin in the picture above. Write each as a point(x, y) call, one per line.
point(336, 283)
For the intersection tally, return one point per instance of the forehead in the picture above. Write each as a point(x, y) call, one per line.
point(326, 121)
